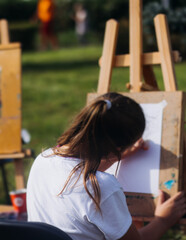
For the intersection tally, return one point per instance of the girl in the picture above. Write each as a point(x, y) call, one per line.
point(67, 185)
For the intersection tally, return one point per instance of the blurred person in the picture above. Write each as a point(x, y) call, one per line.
point(45, 13)
point(80, 17)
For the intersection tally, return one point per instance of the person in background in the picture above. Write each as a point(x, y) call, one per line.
point(45, 14)
point(69, 188)
point(81, 19)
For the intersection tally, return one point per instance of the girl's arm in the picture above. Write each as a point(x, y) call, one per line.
point(167, 213)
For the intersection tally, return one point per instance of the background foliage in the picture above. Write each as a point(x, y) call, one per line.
point(20, 14)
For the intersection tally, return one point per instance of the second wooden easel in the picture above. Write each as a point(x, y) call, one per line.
point(10, 108)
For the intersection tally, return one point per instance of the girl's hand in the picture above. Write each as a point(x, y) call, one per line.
point(171, 210)
point(140, 144)
point(167, 213)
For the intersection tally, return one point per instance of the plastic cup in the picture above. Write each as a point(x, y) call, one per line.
point(18, 199)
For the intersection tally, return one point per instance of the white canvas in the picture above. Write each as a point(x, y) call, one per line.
point(140, 173)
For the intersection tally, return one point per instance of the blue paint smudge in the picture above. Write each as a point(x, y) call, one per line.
point(173, 175)
point(169, 184)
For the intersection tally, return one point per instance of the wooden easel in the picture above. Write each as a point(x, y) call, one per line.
point(140, 63)
point(10, 108)
point(141, 66)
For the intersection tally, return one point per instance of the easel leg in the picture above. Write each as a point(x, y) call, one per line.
point(150, 78)
point(5, 183)
point(165, 49)
point(109, 47)
point(135, 9)
point(19, 173)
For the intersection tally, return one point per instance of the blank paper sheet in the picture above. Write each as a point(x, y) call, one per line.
point(140, 173)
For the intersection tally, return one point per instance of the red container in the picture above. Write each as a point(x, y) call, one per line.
point(18, 199)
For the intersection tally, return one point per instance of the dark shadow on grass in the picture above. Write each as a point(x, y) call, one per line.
point(58, 66)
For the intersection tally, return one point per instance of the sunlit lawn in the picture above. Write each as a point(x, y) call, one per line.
point(54, 88)
point(55, 85)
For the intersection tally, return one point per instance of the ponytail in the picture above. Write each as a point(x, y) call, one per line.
point(108, 125)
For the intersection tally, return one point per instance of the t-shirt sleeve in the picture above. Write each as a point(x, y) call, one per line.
point(114, 219)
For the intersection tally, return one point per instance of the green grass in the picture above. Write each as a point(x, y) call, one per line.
point(54, 89)
point(55, 84)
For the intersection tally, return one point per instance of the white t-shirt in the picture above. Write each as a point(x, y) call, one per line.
point(73, 211)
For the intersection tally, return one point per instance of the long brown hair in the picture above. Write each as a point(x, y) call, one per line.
point(99, 130)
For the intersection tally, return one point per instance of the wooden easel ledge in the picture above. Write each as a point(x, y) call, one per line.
point(10, 46)
point(24, 154)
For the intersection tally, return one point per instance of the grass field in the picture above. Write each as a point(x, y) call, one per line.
point(55, 84)
point(54, 88)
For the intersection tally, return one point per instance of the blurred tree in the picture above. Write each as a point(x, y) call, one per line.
point(177, 26)
point(17, 10)
point(178, 3)
point(99, 11)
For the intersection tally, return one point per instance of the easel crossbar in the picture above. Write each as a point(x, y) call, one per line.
point(153, 58)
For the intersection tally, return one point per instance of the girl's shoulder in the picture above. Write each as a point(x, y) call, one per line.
point(45, 153)
point(104, 176)
point(50, 159)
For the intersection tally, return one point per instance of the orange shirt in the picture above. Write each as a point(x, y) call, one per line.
point(45, 10)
